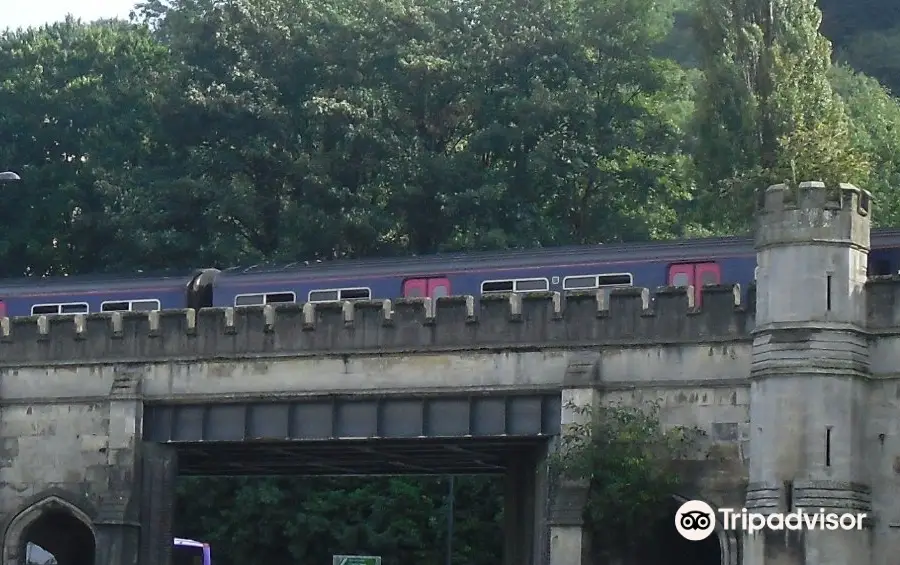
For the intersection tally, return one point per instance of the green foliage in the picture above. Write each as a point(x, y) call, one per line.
point(875, 129)
point(77, 101)
point(765, 109)
point(629, 462)
point(309, 519)
point(876, 53)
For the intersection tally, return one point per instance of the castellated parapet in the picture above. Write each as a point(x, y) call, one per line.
point(814, 212)
point(812, 244)
point(511, 321)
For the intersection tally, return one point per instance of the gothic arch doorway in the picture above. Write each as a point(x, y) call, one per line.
point(50, 527)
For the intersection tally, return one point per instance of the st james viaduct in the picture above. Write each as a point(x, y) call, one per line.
point(795, 381)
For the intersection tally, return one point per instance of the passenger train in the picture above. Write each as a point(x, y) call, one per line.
point(697, 262)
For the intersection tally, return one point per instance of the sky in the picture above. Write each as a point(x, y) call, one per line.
point(25, 13)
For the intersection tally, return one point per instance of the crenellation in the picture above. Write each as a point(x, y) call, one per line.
point(458, 310)
point(80, 325)
point(815, 195)
point(153, 319)
point(630, 302)
point(674, 301)
point(607, 316)
point(269, 318)
point(814, 212)
point(719, 296)
point(116, 327)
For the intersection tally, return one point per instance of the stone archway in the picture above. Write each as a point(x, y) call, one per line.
point(727, 540)
point(669, 548)
point(55, 525)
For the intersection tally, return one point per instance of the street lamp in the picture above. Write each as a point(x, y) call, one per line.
point(9, 176)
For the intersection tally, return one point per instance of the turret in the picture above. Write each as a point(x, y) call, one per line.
point(812, 245)
point(809, 369)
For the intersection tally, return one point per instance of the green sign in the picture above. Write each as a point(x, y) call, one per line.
point(355, 560)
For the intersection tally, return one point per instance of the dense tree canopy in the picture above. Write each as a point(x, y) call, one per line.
point(220, 132)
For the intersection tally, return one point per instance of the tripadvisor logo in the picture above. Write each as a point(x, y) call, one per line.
point(696, 520)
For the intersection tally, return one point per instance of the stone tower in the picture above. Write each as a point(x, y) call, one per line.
point(809, 369)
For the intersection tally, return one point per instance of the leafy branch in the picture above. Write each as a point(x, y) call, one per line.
point(628, 461)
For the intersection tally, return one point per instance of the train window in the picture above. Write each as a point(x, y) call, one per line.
point(439, 290)
point(66, 308)
point(355, 294)
point(260, 299)
point(280, 297)
point(497, 286)
point(707, 274)
point(681, 279)
point(572, 283)
point(249, 299)
point(518, 285)
point(597, 281)
point(340, 294)
point(532, 285)
point(708, 278)
point(146, 305)
point(619, 279)
point(323, 295)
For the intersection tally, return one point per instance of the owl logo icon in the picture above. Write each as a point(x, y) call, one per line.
point(695, 520)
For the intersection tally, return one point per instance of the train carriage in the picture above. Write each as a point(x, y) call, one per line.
point(697, 262)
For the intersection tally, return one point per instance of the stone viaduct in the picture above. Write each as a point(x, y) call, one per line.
point(795, 382)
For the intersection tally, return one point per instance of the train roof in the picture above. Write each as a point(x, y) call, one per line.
point(110, 281)
point(662, 249)
point(667, 249)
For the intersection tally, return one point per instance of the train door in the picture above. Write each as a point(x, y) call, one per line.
point(2, 309)
point(438, 287)
point(414, 288)
point(696, 274)
point(432, 287)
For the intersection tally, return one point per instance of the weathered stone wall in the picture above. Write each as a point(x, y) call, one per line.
point(81, 455)
point(881, 450)
point(539, 321)
point(717, 471)
point(53, 445)
point(667, 366)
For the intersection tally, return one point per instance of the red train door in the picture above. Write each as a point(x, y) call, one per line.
point(413, 288)
point(696, 274)
point(432, 287)
point(2, 309)
point(438, 287)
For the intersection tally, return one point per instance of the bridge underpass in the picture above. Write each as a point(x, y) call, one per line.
point(505, 435)
point(356, 436)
